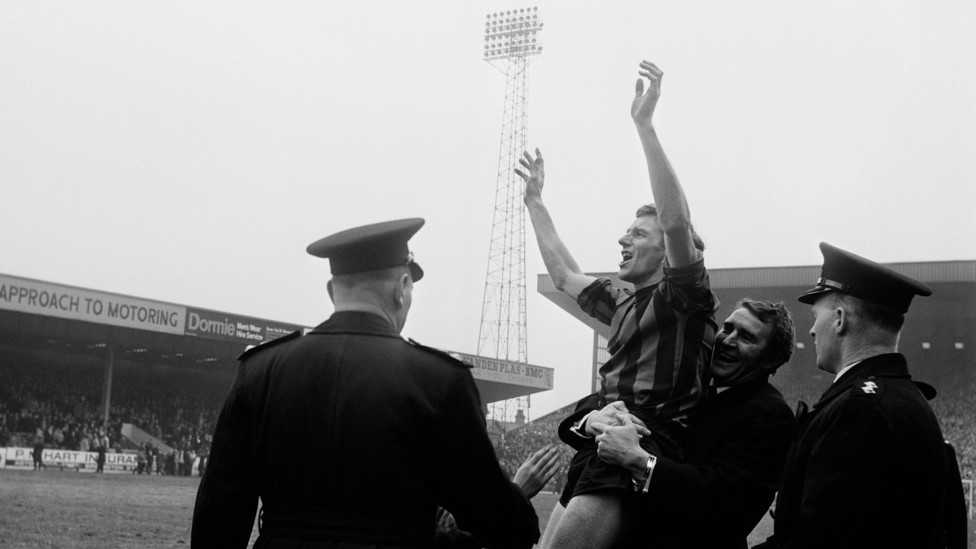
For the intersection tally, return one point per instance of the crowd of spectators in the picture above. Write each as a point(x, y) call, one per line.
point(956, 410)
point(60, 407)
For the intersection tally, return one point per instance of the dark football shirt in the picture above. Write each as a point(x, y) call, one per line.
point(660, 341)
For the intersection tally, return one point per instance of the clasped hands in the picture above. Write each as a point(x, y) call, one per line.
point(618, 434)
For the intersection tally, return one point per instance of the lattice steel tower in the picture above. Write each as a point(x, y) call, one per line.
point(512, 38)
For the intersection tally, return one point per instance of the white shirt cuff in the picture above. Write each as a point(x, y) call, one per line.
point(579, 428)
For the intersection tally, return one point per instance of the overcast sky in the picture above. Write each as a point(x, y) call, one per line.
point(189, 151)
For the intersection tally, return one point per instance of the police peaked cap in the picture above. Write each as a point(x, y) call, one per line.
point(851, 274)
point(370, 248)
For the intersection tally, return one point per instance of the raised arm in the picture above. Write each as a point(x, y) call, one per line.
point(672, 208)
point(565, 273)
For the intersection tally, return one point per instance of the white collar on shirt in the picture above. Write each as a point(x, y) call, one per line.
point(844, 370)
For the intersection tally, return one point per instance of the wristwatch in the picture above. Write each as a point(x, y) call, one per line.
point(643, 483)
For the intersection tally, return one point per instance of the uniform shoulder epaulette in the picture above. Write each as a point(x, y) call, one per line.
point(443, 354)
point(254, 349)
point(868, 387)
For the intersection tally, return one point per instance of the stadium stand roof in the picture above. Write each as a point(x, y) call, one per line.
point(61, 322)
point(55, 317)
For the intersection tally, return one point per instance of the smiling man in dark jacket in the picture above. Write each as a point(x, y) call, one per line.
point(735, 446)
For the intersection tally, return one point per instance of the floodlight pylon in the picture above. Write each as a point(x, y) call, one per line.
point(512, 39)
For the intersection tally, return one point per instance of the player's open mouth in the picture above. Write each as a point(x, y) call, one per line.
point(627, 256)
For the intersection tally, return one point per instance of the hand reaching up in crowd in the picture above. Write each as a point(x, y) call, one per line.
point(536, 471)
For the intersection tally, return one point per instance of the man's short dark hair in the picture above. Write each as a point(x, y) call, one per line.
point(881, 315)
point(782, 339)
point(651, 210)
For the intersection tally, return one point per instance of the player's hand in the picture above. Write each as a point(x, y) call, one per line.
point(614, 414)
point(534, 174)
point(620, 445)
point(642, 108)
point(538, 470)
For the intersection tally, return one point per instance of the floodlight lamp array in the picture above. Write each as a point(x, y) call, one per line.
point(513, 33)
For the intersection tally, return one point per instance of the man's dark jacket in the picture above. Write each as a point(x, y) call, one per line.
point(734, 453)
point(868, 466)
point(352, 434)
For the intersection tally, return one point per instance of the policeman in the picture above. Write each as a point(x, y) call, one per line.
point(352, 436)
point(867, 467)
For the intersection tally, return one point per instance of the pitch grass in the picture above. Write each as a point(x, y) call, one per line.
point(66, 509)
point(52, 508)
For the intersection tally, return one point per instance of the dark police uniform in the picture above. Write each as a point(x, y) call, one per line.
point(867, 467)
point(351, 435)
